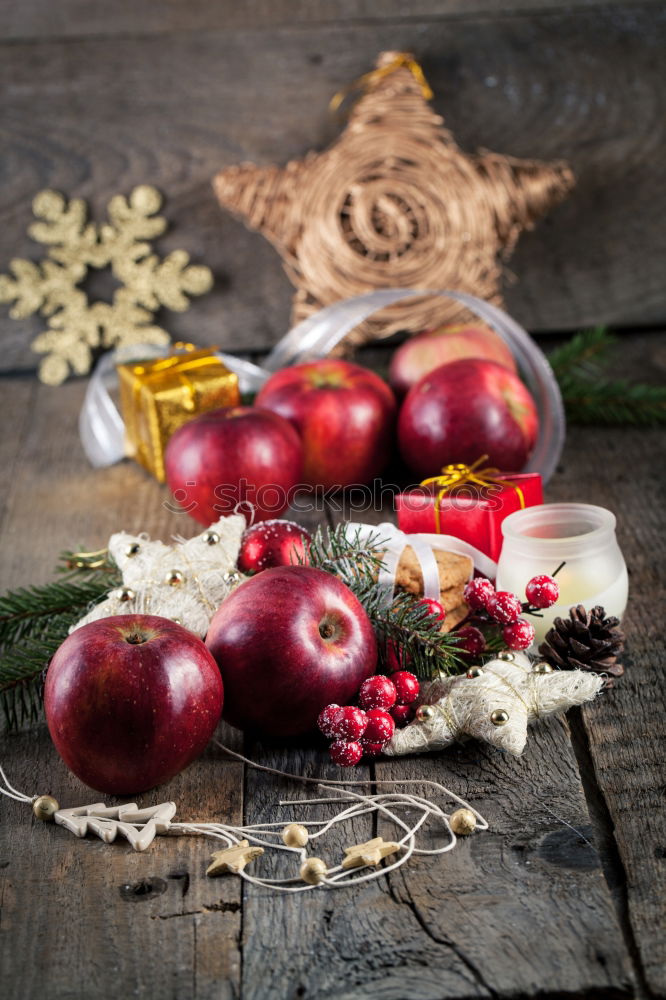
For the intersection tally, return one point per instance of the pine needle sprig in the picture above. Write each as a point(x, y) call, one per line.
point(590, 397)
point(403, 622)
point(34, 621)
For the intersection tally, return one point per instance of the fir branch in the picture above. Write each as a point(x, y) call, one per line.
point(404, 623)
point(584, 347)
point(590, 397)
point(34, 621)
point(614, 403)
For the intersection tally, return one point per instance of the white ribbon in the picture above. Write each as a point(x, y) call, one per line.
point(394, 542)
point(101, 426)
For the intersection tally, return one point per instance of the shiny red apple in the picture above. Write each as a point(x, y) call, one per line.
point(235, 458)
point(452, 342)
point(130, 701)
point(344, 414)
point(463, 410)
point(288, 642)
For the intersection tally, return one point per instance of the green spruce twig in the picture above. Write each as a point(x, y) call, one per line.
point(403, 622)
point(34, 621)
point(590, 397)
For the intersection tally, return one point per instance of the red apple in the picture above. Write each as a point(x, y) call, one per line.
point(238, 457)
point(288, 642)
point(273, 543)
point(453, 342)
point(344, 414)
point(463, 410)
point(130, 701)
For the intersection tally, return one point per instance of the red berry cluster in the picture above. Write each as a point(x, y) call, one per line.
point(505, 609)
point(355, 731)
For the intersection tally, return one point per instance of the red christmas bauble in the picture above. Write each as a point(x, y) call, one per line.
point(273, 543)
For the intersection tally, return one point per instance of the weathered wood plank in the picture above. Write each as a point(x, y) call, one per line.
point(626, 729)
point(78, 18)
point(64, 910)
point(91, 117)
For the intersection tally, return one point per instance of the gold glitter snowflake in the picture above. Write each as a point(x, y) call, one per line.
point(76, 327)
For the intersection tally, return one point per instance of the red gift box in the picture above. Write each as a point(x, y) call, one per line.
point(468, 505)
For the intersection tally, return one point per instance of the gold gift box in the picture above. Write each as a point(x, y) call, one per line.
point(157, 397)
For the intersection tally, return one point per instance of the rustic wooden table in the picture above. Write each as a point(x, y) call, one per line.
point(563, 897)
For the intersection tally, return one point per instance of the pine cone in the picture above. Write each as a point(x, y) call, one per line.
point(586, 640)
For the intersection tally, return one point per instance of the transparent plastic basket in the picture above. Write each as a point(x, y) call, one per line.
point(319, 334)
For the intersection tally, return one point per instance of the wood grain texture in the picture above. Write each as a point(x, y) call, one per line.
point(626, 730)
point(93, 115)
point(77, 18)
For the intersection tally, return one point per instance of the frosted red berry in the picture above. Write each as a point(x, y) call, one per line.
point(504, 607)
point(518, 635)
point(380, 727)
point(350, 723)
point(372, 749)
point(402, 714)
point(542, 591)
point(478, 592)
point(326, 720)
point(406, 685)
point(377, 692)
point(346, 753)
point(472, 640)
point(434, 608)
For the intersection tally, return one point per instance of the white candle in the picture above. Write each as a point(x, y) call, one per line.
point(538, 539)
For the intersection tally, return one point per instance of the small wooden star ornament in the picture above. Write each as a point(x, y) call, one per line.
point(370, 853)
point(496, 704)
point(232, 860)
point(394, 202)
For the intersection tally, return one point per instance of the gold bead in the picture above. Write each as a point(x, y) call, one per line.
point(45, 807)
point(424, 713)
point(176, 621)
point(125, 594)
point(133, 549)
point(313, 871)
point(499, 717)
point(474, 672)
point(507, 655)
point(463, 822)
point(211, 538)
point(542, 668)
point(175, 577)
point(295, 835)
point(230, 579)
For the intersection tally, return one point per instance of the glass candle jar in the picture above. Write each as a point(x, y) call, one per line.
point(538, 539)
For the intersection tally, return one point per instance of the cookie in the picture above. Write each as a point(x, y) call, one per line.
point(454, 571)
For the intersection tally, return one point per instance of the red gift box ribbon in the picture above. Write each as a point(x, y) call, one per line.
point(460, 474)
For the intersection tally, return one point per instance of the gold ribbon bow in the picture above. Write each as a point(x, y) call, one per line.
point(402, 60)
point(459, 474)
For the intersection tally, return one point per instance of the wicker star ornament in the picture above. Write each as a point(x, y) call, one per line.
point(394, 202)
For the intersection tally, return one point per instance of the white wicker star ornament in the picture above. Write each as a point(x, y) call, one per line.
point(494, 703)
point(186, 582)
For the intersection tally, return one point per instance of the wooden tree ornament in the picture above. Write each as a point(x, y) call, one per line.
point(394, 202)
